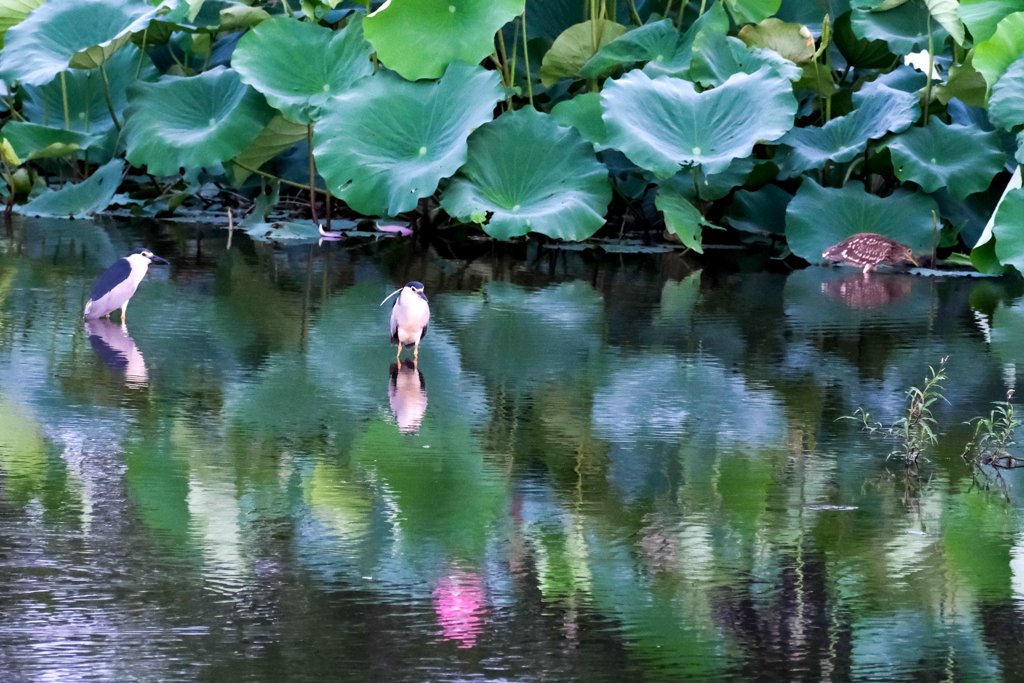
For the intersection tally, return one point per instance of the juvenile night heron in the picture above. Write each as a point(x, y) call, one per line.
point(409, 318)
point(867, 250)
point(118, 283)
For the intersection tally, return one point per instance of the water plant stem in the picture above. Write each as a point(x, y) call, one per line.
point(257, 171)
point(931, 68)
point(504, 58)
point(106, 95)
point(702, 4)
point(526, 60)
point(634, 16)
point(312, 174)
point(142, 52)
point(64, 94)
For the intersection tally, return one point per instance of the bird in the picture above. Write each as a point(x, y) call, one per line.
point(868, 249)
point(409, 318)
point(115, 288)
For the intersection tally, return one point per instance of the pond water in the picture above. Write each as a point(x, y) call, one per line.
point(604, 468)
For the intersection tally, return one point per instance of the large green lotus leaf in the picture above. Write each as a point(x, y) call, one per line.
point(1008, 230)
point(964, 83)
point(904, 29)
point(655, 42)
point(526, 173)
point(819, 217)
point(420, 38)
point(982, 16)
point(32, 141)
point(714, 22)
point(879, 110)
point(867, 54)
point(752, 11)
point(763, 210)
point(332, 61)
point(574, 48)
point(87, 104)
point(945, 12)
point(279, 135)
point(63, 33)
point(192, 122)
point(13, 12)
point(1006, 105)
point(387, 142)
point(681, 217)
point(88, 197)
point(962, 158)
point(819, 78)
point(716, 58)
point(583, 113)
point(662, 124)
point(792, 41)
point(995, 55)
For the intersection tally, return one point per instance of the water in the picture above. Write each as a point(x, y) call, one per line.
point(604, 468)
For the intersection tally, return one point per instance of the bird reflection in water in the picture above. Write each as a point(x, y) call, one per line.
point(864, 292)
point(116, 348)
point(407, 393)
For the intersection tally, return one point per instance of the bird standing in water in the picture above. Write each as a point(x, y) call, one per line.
point(118, 283)
point(867, 250)
point(409, 318)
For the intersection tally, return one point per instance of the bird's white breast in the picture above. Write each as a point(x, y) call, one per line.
point(415, 314)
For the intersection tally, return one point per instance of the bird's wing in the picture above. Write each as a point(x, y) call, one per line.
point(424, 332)
point(112, 277)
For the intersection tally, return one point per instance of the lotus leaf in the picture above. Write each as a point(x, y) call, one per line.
point(583, 113)
point(945, 12)
point(752, 11)
point(995, 55)
point(332, 62)
point(526, 173)
point(574, 48)
point(32, 141)
point(792, 41)
point(654, 42)
point(387, 142)
point(817, 77)
point(192, 122)
point(1008, 230)
point(63, 33)
point(13, 12)
point(79, 201)
point(664, 123)
point(714, 22)
point(819, 217)
point(982, 16)
point(420, 38)
point(681, 217)
point(1006, 105)
point(279, 135)
point(241, 17)
point(718, 185)
point(866, 54)
point(964, 83)
point(87, 105)
point(879, 110)
point(716, 58)
point(904, 29)
point(962, 158)
point(284, 231)
point(760, 211)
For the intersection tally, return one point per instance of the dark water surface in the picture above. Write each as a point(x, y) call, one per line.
point(606, 468)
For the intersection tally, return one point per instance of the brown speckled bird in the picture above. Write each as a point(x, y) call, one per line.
point(868, 249)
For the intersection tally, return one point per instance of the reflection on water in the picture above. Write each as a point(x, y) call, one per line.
point(629, 469)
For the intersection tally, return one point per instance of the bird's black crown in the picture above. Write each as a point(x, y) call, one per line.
point(414, 285)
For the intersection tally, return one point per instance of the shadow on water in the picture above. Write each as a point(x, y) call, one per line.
point(630, 469)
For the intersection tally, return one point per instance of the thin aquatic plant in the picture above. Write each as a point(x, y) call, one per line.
point(993, 437)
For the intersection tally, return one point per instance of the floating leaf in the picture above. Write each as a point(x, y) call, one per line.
point(681, 217)
point(982, 16)
point(583, 113)
point(192, 122)
point(995, 55)
point(63, 33)
point(279, 135)
point(964, 83)
point(962, 158)
point(332, 62)
point(1006, 105)
point(655, 42)
point(760, 211)
point(284, 231)
point(1008, 230)
point(904, 29)
point(752, 11)
point(716, 58)
point(420, 38)
point(79, 201)
point(574, 48)
point(880, 110)
point(13, 12)
point(664, 123)
point(32, 141)
point(387, 142)
point(819, 217)
point(792, 41)
point(866, 54)
point(526, 173)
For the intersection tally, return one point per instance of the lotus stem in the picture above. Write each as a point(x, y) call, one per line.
point(257, 171)
point(935, 240)
point(634, 16)
point(287, 8)
point(312, 174)
point(526, 59)
point(9, 101)
point(231, 228)
point(142, 52)
point(504, 57)
point(702, 3)
point(852, 167)
point(328, 202)
point(106, 94)
point(64, 94)
point(931, 68)
point(515, 53)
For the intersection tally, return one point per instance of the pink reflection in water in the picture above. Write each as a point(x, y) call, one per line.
point(459, 603)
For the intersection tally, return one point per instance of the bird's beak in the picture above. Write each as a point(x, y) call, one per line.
point(913, 260)
point(157, 259)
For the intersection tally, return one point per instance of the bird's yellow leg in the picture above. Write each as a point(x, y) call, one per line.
point(124, 314)
point(416, 354)
point(398, 356)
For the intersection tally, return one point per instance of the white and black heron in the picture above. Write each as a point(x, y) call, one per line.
point(409, 318)
point(115, 288)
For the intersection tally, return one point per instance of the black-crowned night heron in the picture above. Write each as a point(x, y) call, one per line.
point(407, 394)
point(409, 318)
point(867, 250)
point(118, 283)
